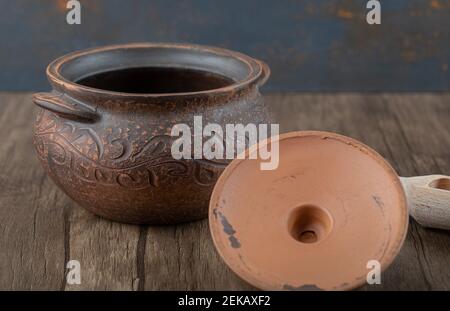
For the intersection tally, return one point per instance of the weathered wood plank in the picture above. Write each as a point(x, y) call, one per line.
point(183, 258)
point(41, 229)
point(106, 250)
point(31, 208)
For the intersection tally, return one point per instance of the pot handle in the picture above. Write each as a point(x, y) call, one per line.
point(65, 107)
point(428, 200)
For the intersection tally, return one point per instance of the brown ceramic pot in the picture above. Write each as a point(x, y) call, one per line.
point(103, 133)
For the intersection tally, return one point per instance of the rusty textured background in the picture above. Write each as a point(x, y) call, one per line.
point(311, 45)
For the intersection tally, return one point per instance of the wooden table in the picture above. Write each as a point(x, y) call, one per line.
point(41, 229)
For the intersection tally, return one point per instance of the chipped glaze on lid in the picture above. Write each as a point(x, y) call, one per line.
point(332, 205)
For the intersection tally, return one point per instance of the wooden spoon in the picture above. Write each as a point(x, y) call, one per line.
point(429, 200)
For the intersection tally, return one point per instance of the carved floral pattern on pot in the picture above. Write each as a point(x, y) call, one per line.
point(103, 133)
point(81, 151)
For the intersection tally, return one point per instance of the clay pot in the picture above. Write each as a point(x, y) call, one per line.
point(317, 221)
point(103, 133)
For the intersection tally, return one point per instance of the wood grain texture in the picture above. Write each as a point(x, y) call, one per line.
point(429, 200)
point(31, 208)
point(41, 229)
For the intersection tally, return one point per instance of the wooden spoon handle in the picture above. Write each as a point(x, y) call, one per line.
point(429, 200)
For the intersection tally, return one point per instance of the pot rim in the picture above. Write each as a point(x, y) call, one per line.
point(258, 71)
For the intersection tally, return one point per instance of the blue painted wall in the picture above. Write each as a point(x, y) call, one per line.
point(311, 45)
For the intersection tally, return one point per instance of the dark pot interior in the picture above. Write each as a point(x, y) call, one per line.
point(144, 80)
point(155, 70)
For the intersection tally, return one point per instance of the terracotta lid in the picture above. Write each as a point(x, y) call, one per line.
point(332, 205)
